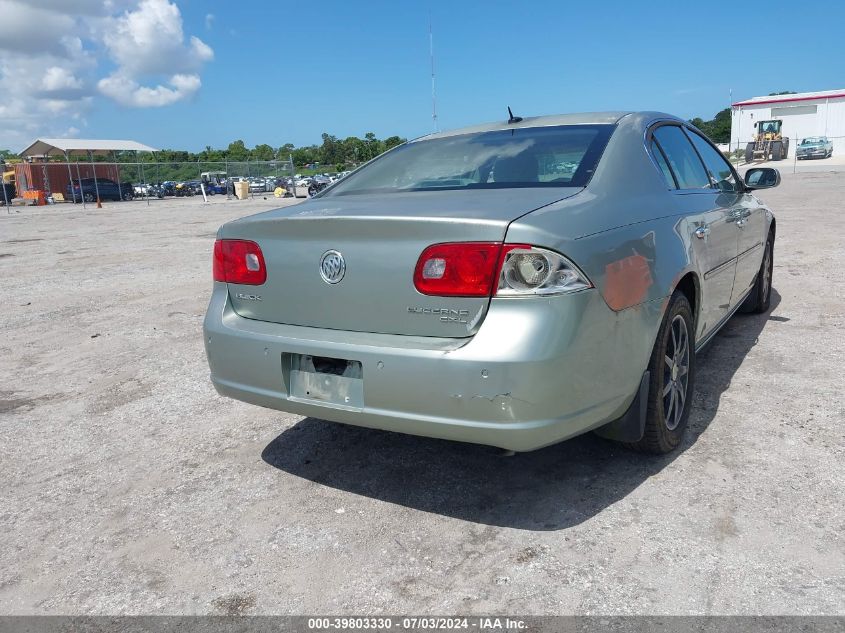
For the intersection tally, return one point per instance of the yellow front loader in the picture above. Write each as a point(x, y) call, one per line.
point(768, 143)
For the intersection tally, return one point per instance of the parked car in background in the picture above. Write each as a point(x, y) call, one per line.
point(105, 188)
point(471, 285)
point(257, 185)
point(148, 190)
point(155, 191)
point(215, 182)
point(815, 147)
point(196, 185)
point(317, 184)
point(183, 189)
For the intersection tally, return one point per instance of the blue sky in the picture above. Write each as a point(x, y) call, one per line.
point(286, 72)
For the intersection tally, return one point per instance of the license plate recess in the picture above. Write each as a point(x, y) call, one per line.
point(335, 382)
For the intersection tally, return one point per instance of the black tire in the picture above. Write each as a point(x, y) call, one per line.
point(128, 196)
point(777, 150)
point(785, 148)
point(669, 383)
point(749, 152)
point(89, 197)
point(760, 297)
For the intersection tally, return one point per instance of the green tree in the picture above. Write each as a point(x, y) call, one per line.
point(718, 129)
point(372, 146)
point(210, 154)
point(263, 152)
point(305, 155)
point(237, 151)
point(354, 150)
point(330, 149)
point(393, 141)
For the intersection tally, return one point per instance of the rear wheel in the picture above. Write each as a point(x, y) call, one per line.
point(761, 293)
point(672, 380)
point(749, 152)
point(128, 196)
point(89, 197)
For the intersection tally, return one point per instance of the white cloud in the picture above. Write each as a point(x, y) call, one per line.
point(209, 21)
point(29, 29)
point(54, 51)
point(149, 40)
point(127, 92)
point(56, 79)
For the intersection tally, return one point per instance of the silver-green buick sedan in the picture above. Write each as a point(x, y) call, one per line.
point(512, 284)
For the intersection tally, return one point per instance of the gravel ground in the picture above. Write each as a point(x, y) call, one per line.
point(130, 487)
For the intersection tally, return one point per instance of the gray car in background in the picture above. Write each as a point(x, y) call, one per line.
point(513, 284)
point(815, 147)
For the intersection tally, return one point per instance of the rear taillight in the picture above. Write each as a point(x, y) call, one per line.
point(459, 269)
point(529, 270)
point(239, 262)
point(480, 269)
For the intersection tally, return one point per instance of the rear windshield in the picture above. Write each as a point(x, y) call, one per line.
point(561, 156)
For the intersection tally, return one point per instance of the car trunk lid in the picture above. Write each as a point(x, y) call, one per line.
point(380, 238)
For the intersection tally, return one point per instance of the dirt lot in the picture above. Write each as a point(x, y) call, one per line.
point(129, 486)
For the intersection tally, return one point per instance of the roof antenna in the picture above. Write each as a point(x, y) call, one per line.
point(433, 94)
point(513, 119)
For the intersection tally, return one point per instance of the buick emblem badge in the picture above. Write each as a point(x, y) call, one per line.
point(332, 267)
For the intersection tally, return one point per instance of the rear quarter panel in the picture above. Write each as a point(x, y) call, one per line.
point(626, 232)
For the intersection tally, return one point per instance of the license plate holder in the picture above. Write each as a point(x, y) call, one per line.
point(334, 382)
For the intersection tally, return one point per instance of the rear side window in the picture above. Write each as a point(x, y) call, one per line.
point(664, 166)
point(682, 158)
point(720, 172)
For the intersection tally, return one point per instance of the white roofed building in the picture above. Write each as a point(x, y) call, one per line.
point(803, 114)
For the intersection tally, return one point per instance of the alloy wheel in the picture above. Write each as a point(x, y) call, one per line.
point(767, 272)
point(676, 373)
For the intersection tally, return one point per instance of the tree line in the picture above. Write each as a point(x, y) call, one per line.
point(340, 154)
point(333, 153)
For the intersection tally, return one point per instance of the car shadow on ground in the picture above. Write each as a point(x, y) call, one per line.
point(549, 489)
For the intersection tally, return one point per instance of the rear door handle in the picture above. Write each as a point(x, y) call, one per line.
point(702, 231)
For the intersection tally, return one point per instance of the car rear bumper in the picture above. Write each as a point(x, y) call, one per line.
point(537, 371)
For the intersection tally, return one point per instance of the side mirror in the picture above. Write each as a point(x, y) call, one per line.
point(762, 178)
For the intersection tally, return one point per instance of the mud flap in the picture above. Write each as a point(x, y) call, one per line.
point(631, 426)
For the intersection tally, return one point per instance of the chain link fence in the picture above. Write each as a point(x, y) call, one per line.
point(87, 182)
point(150, 181)
point(798, 155)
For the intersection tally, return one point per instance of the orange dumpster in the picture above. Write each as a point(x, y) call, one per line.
point(36, 195)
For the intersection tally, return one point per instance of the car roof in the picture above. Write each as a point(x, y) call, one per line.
point(578, 118)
